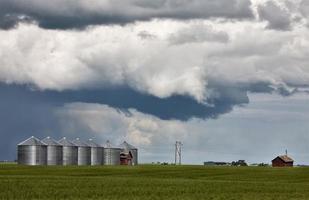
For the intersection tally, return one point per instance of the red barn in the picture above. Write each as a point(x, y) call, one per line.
point(282, 161)
point(126, 158)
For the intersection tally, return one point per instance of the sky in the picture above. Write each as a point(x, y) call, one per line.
point(228, 78)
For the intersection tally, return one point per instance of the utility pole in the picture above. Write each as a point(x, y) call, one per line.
point(178, 146)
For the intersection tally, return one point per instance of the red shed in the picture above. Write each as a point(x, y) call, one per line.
point(126, 158)
point(282, 161)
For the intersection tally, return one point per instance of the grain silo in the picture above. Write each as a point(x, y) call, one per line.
point(32, 152)
point(54, 151)
point(130, 151)
point(69, 152)
point(84, 152)
point(97, 153)
point(111, 154)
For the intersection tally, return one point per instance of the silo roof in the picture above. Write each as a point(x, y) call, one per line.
point(109, 145)
point(127, 146)
point(79, 143)
point(32, 141)
point(51, 142)
point(91, 143)
point(65, 142)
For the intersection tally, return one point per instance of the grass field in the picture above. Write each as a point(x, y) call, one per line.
point(153, 182)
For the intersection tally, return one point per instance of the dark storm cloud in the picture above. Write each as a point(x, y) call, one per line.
point(9, 21)
point(65, 14)
point(22, 115)
point(25, 112)
point(175, 107)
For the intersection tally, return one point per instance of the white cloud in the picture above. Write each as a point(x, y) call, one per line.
point(104, 56)
point(104, 122)
point(100, 56)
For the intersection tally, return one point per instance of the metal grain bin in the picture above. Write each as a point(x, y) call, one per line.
point(84, 152)
point(97, 153)
point(111, 154)
point(32, 152)
point(54, 151)
point(69, 152)
point(126, 148)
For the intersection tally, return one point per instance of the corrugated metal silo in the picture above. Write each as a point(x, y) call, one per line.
point(111, 154)
point(69, 152)
point(97, 153)
point(32, 152)
point(84, 152)
point(54, 151)
point(126, 148)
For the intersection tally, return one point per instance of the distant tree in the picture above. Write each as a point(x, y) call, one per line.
point(239, 163)
point(263, 165)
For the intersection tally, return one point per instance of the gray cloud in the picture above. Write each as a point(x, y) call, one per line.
point(9, 20)
point(304, 9)
point(78, 14)
point(154, 124)
point(277, 16)
point(145, 35)
point(43, 113)
point(22, 116)
point(198, 33)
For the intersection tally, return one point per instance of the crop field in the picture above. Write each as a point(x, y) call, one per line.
point(152, 182)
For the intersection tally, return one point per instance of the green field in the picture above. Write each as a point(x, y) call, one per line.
point(153, 182)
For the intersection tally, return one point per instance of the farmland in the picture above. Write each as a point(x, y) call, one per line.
point(152, 182)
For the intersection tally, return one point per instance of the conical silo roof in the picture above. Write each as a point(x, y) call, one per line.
point(32, 141)
point(127, 146)
point(109, 145)
point(51, 142)
point(65, 142)
point(91, 143)
point(79, 143)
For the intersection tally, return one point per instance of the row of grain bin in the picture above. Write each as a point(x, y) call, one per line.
point(64, 152)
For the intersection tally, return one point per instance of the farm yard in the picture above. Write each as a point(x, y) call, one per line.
point(152, 182)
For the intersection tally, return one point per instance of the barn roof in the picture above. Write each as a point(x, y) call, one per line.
point(285, 158)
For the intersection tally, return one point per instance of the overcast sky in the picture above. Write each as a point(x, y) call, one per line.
point(229, 78)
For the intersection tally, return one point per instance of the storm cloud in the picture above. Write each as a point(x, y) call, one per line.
point(26, 112)
point(78, 14)
point(148, 71)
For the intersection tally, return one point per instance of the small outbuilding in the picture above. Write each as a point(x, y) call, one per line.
point(283, 161)
point(126, 158)
point(129, 154)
